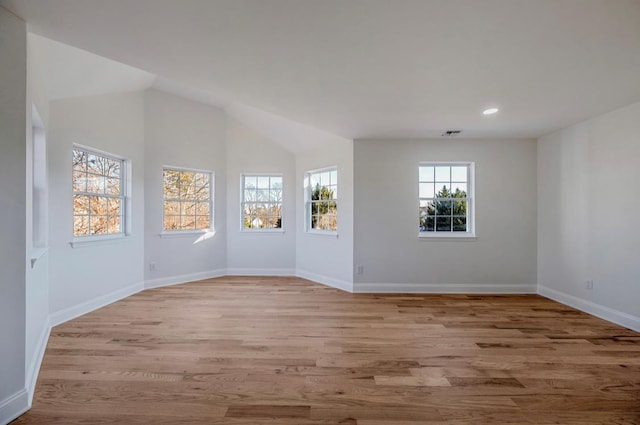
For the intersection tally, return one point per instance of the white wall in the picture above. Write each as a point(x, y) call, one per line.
point(323, 258)
point(114, 124)
point(250, 252)
point(182, 133)
point(501, 258)
point(588, 203)
point(13, 122)
point(37, 275)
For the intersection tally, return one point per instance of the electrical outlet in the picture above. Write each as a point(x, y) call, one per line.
point(152, 267)
point(588, 284)
point(359, 269)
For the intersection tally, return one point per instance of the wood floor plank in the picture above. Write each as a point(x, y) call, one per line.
point(286, 351)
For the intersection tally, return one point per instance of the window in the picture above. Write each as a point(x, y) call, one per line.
point(446, 203)
point(322, 200)
point(39, 187)
point(187, 199)
point(261, 202)
point(98, 193)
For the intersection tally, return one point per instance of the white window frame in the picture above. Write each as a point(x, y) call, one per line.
point(309, 202)
point(124, 197)
point(243, 201)
point(470, 234)
point(186, 232)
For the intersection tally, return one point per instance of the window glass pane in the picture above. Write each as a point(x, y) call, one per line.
point(443, 174)
point(314, 180)
point(202, 222)
point(187, 208)
point(333, 177)
point(443, 208)
point(249, 207)
point(202, 208)
point(426, 190)
point(429, 224)
point(113, 186)
point(80, 205)
point(95, 184)
point(262, 195)
point(459, 224)
point(113, 205)
point(459, 190)
point(201, 179)
point(459, 174)
point(114, 224)
point(202, 192)
point(79, 181)
point(98, 205)
point(80, 225)
point(443, 224)
point(250, 195)
point(263, 182)
point(428, 207)
point(98, 224)
point(171, 208)
point(426, 174)
point(96, 164)
point(275, 195)
point(443, 190)
point(172, 222)
point(171, 179)
point(79, 161)
point(186, 185)
point(113, 168)
point(276, 182)
point(187, 222)
point(250, 182)
point(459, 208)
point(275, 222)
point(325, 179)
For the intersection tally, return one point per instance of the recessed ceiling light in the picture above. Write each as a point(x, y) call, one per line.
point(490, 111)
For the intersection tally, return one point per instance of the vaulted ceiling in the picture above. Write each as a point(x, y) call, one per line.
point(372, 68)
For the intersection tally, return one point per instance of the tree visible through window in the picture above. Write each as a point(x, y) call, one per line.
point(98, 194)
point(322, 206)
point(261, 201)
point(187, 200)
point(445, 204)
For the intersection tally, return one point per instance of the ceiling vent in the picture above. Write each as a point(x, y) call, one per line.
point(451, 133)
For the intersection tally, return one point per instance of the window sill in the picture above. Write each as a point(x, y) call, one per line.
point(186, 233)
point(98, 240)
point(262, 231)
point(447, 236)
point(37, 254)
point(329, 233)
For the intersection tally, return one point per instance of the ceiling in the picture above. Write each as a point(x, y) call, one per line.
point(372, 68)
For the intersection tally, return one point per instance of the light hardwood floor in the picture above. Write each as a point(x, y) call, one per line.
point(250, 350)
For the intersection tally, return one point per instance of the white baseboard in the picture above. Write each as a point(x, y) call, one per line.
point(444, 288)
point(88, 306)
point(326, 280)
point(598, 310)
point(14, 406)
point(183, 278)
point(260, 272)
point(36, 361)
